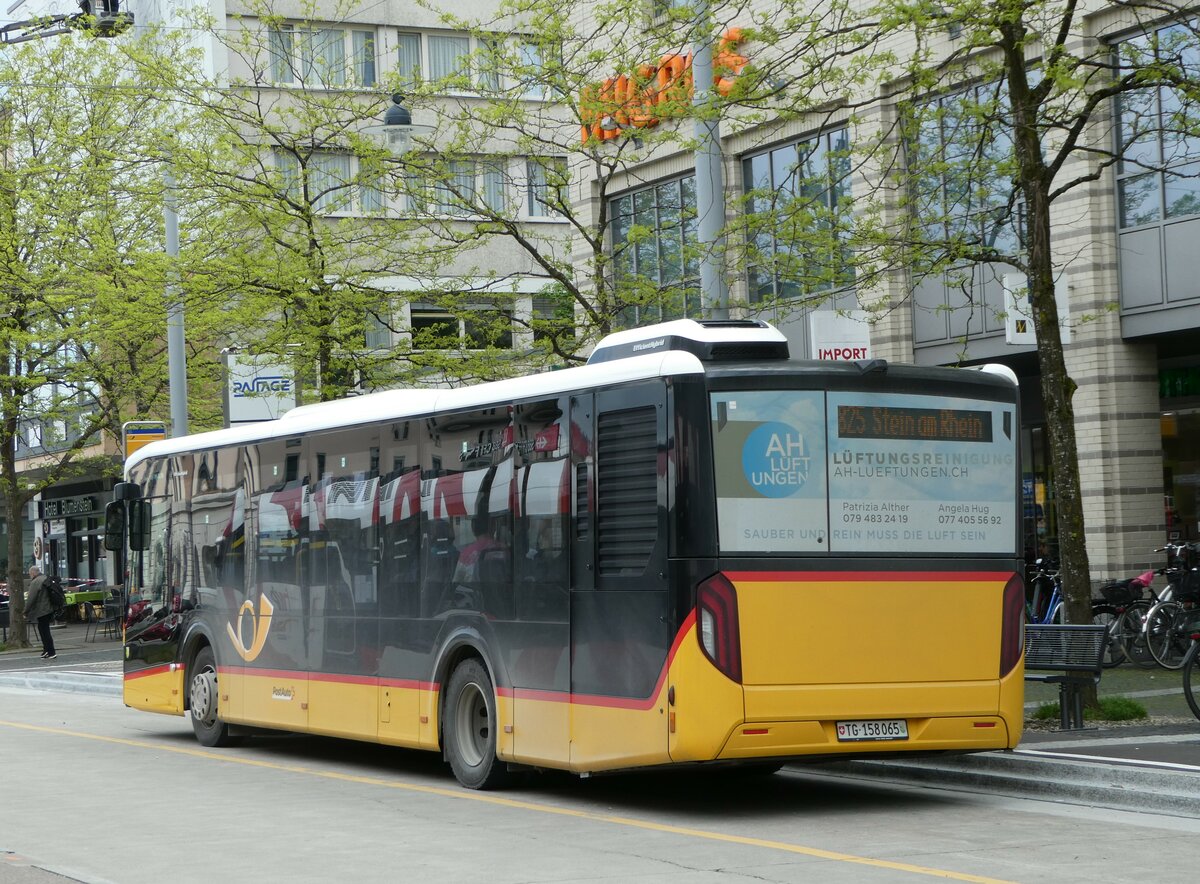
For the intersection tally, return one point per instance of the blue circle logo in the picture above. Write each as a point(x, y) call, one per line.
point(775, 459)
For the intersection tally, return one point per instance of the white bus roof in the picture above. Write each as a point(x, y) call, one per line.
point(397, 404)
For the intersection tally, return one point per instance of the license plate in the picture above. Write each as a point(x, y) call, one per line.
point(880, 729)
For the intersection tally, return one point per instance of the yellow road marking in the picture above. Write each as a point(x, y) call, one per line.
point(483, 797)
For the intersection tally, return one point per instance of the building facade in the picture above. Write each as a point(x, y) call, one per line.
point(1128, 279)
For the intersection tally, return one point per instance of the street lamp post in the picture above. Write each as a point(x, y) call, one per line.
point(710, 182)
point(176, 359)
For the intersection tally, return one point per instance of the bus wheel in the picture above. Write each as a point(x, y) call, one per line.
point(202, 698)
point(469, 728)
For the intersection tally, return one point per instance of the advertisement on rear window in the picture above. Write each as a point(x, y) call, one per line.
point(803, 471)
point(920, 474)
point(770, 449)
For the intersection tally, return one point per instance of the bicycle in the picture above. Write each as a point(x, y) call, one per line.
point(1191, 678)
point(1122, 611)
point(1045, 604)
point(1171, 621)
point(1136, 613)
point(1128, 596)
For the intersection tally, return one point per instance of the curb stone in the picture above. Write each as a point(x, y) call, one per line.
point(1090, 783)
point(68, 682)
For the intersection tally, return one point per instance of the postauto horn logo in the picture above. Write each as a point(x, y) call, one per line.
point(775, 459)
point(260, 625)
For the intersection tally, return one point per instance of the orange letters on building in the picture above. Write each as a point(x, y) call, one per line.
point(653, 92)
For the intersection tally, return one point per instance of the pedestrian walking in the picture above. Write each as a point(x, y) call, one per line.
point(38, 607)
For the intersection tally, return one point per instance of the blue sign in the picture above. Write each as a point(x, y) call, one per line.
point(775, 459)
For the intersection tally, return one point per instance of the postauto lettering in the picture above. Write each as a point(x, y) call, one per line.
point(267, 384)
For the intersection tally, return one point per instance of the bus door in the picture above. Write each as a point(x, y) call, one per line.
point(537, 640)
point(619, 599)
point(153, 620)
point(276, 685)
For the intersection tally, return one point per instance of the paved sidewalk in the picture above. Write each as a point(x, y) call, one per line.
point(82, 666)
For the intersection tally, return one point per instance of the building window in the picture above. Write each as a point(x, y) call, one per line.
point(467, 63)
point(334, 186)
point(797, 200)
point(408, 61)
point(455, 193)
point(314, 56)
point(531, 70)
point(364, 57)
point(377, 334)
point(492, 54)
point(661, 8)
point(547, 178)
point(436, 329)
point(463, 188)
point(961, 199)
point(960, 169)
point(449, 57)
point(553, 317)
point(495, 186)
point(653, 235)
point(1158, 176)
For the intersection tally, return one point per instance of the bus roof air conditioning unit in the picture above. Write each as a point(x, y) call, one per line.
point(710, 340)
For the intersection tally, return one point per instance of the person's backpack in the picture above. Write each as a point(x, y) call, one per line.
point(54, 590)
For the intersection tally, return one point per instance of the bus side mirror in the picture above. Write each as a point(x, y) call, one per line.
point(114, 526)
point(139, 525)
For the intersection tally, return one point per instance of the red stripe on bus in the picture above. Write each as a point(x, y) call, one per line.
point(274, 673)
point(342, 678)
point(338, 678)
point(608, 702)
point(859, 576)
point(153, 670)
point(411, 684)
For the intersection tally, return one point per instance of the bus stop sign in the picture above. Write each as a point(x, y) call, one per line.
point(139, 433)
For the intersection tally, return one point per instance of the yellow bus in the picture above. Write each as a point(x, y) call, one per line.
point(692, 550)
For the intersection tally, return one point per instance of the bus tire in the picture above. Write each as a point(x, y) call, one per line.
point(469, 727)
point(202, 700)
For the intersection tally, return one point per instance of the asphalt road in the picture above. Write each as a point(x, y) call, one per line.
point(94, 792)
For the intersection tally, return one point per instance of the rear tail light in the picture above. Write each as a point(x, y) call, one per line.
point(717, 614)
point(1012, 632)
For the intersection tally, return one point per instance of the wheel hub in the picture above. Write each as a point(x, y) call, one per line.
point(472, 725)
point(204, 697)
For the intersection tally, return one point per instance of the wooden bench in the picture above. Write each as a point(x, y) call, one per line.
point(1075, 653)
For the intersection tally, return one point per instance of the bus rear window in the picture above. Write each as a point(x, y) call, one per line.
point(804, 471)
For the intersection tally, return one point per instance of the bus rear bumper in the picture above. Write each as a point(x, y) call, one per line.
point(782, 739)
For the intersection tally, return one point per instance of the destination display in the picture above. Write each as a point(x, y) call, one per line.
point(890, 422)
point(805, 471)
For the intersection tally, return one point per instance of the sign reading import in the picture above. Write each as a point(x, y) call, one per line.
point(843, 336)
point(259, 389)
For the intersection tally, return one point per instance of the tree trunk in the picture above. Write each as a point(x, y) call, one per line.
point(1036, 182)
point(14, 503)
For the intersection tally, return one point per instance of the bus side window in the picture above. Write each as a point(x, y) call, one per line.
point(441, 561)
